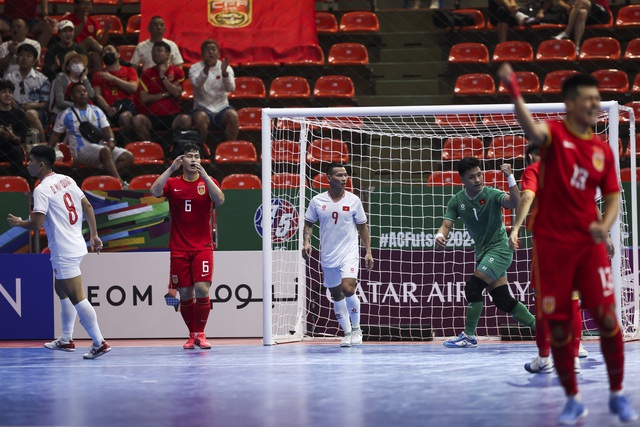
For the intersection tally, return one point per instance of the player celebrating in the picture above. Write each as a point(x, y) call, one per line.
point(59, 205)
point(575, 162)
point(341, 214)
point(480, 208)
point(192, 197)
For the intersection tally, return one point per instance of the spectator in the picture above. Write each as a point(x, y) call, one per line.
point(54, 57)
point(212, 81)
point(38, 24)
point(88, 31)
point(13, 130)
point(105, 156)
point(508, 13)
point(582, 13)
point(32, 90)
point(160, 90)
point(9, 50)
point(142, 55)
point(117, 85)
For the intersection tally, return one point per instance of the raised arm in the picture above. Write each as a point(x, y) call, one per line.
point(158, 185)
point(512, 199)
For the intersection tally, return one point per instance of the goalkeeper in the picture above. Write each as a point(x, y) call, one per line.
point(480, 208)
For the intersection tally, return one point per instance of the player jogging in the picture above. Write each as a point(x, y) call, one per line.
point(192, 197)
point(568, 236)
point(480, 208)
point(342, 220)
point(59, 206)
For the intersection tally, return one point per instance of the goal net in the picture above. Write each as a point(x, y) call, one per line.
point(402, 164)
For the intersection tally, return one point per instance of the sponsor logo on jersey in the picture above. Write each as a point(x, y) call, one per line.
point(482, 202)
point(569, 145)
point(174, 279)
point(462, 206)
point(345, 208)
point(549, 304)
point(201, 189)
point(598, 160)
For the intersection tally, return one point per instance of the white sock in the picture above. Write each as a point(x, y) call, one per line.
point(616, 393)
point(353, 304)
point(342, 314)
point(89, 321)
point(520, 16)
point(68, 314)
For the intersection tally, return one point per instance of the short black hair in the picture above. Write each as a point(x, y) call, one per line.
point(74, 85)
point(44, 153)
point(25, 47)
point(7, 84)
point(331, 166)
point(189, 147)
point(163, 45)
point(531, 150)
point(468, 163)
point(572, 84)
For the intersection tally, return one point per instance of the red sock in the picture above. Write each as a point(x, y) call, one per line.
point(542, 336)
point(562, 349)
point(611, 344)
point(201, 313)
point(187, 311)
point(577, 326)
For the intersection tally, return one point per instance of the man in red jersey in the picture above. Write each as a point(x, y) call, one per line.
point(191, 196)
point(569, 250)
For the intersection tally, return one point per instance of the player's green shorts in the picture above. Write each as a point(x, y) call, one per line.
point(495, 261)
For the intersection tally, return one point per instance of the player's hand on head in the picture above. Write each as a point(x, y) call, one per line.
point(177, 162)
point(506, 169)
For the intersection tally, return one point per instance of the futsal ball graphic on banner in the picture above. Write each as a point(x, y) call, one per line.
point(284, 221)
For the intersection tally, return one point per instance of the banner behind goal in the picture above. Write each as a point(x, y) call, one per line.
point(402, 163)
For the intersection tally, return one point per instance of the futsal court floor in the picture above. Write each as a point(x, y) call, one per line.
point(243, 383)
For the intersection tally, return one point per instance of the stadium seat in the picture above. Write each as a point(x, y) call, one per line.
point(500, 119)
point(187, 90)
point(133, 24)
point(206, 151)
point(624, 116)
point(236, 152)
point(326, 23)
point(250, 118)
point(317, 59)
point(636, 84)
point(441, 178)
point(289, 87)
point(348, 54)
point(600, 48)
point(285, 180)
point(633, 49)
point(358, 22)
point(556, 50)
point(241, 181)
point(142, 182)
point(126, 51)
point(456, 148)
point(605, 26)
point(146, 153)
point(507, 147)
point(249, 88)
point(285, 151)
point(326, 150)
point(106, 2)
point(553, 81)
point(101, 182)
point(475, 84)
point(14, 184)
point(469, 53)
point(513, 51)
point(334, 87)
point(495, 178)
point(625, 174)
point(116, 23)
point(67, 158)
point(456, 120)
point(478, 19)
point(612, 81)
point(320, 181)
point(527, 81)
point(628, 16)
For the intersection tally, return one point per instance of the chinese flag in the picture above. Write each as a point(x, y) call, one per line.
point(246, 30)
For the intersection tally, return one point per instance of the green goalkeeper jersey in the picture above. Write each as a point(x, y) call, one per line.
point(482, 216)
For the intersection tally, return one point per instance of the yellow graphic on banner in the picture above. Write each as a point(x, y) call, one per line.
point(229, 13)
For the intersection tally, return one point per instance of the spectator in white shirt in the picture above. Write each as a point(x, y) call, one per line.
point(9, 49)
point(142, 59)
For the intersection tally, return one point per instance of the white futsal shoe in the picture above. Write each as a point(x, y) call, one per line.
point(346, 340)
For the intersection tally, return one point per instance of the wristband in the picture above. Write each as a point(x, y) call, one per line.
point(512, 181)
point(440, 235)
point(512, 87)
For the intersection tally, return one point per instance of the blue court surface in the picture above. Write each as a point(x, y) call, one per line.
point(242, 383)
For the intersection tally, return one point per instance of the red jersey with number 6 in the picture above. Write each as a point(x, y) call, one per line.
point(571, 170)
point(191, 207)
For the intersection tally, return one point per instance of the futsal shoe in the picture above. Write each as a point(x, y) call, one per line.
point(61, 345)
point(356, 336)
point(582, 352)
point(572, 412)
point(576, 365)
point(539, 365)
point(201, 341)
point(462, 340)
point(97, 351)
point(191, 342)
point(346, 340)
point(620, 406)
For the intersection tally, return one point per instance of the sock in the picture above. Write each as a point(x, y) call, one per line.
point(187, 310)
point(611, 344)
point(472, 316)
point(562, 350)
point(353, 304)
point(616, 393)
point(342, 315)
point(522, 315)
point(68, 313)
point(577, 325)
point(201, 311)
point(542, 337)
point(520, 16)
point(89, 321)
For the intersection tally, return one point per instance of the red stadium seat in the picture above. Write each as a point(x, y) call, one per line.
point(495, 178)
point(513, 51)
point(326, 23)
point(607, 25)
point(133, 24)
point(241, 181)
point(146, 153)
point(106, 2)
point(206, 151)
point(289, 87)
point(285, 180)
point(249, 88)
point(236, 152)
point(507, 147)
point(462, 146)
point(126, 51)
point(320, 181)
point(469, 53)
point(317, 59)
point(285, 151)
point(553, 81)
point(326, 150)
point(14, 184)
point(101, 182)
point(625, 174)
point(348, 54)
point(612, 81)
point(633, 49)
point(358, 22)
point(478, 19)
point(475, 84)
point(628, 16)
point(624, 116)
point(636, 84)
point(556, 50)
point(500, 119)
point(441, 178)
point(250, 118)
point(143, 182)
point(187, 90)
point(456, 120)
point(334, 87)
point(67, 159)
point(116, 23)
point(600, 48)
point(527, 81)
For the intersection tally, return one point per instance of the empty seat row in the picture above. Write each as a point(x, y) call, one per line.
point(350, 22)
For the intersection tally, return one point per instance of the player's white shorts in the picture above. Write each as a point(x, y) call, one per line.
point(66, 267)
point(348, 269)
point(90, 155)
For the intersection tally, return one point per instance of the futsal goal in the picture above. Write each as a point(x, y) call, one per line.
point(401, 162)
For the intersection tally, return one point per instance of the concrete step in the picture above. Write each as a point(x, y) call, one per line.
point(409, 55)
point(407, 87)
point(413, 39)
point(424, 4)
point(408, 70)
point(377, 100)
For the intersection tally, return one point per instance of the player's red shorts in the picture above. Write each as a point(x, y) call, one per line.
point(190, 267)
point(560, 268)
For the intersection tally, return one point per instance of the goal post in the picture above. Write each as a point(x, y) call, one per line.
point(402, 165)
